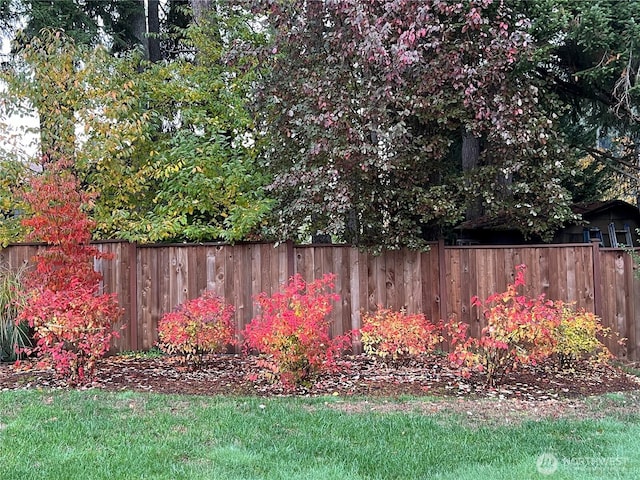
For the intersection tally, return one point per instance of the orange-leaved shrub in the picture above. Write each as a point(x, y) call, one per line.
point(520, 331)
point(197, 327)
point(395, 334)
point(292, 330)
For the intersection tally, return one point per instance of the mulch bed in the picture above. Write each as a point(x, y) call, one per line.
point(360, 376)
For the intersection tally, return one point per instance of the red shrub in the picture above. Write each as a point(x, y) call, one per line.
point(198, 326)
point(520, 330)
point(72, 327)
point(72, 321)
point(292, 330)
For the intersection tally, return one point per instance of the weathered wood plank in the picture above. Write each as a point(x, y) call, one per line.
point(357, 269)
point(148, 310)
point(633, 341)
point(430, 275)
point(452, 286)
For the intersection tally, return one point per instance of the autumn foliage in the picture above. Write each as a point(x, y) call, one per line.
point(522, 330)
point(519, 331)
point(579, 334)
point(197, 327)
point(292, 330)
point(71, 319)
point(396, 334)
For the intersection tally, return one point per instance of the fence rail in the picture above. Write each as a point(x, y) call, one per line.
point(151, 279)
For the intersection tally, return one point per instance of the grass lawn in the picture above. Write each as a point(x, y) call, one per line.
point(98, 435)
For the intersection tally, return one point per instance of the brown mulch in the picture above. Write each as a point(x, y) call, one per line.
point(359, 376)
point(426, 387)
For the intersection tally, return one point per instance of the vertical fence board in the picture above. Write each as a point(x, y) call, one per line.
point(117, 279)
point(248, 285)
point(238, 286)
point(589, 287)
point(286, 266)
point(432, 296)
point(630, 313)
point(633, 341)
point(305, 263)
point(269, 281)
point(357, 270)
point(147, 313)
point(413, 282)
point(452, 285)
point(199, 266)
point(608, 288)
point(256, 271)
point(394, 281)
point(613, 301)
point(342, 269)
point(211, 266)
point(620, 298)
point(468, 288)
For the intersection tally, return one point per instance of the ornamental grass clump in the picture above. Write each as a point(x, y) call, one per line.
point(292, 331)
point(197, 327)
point(14, 337)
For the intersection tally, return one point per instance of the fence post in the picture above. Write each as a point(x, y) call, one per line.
point(291, 260)
point(597, 277)
point(443, 293)
point(631, 310)
point(133, 296)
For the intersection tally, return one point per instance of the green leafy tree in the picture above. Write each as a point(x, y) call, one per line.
point(85, 110)
point(169, 147)
point(198, 148)
point(12, 174)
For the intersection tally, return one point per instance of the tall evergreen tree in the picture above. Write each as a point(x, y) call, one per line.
point(588, 63)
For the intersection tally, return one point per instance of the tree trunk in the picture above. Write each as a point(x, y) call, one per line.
point(200, 8)
point(470, 161)
point(139, 26)
point(153, 20)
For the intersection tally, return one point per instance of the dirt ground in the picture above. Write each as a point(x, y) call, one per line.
point(359, 376)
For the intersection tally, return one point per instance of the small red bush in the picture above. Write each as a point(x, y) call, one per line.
point(520, 331)
point(196, 327)
point(292, 330)
point(396, 334)
point(73, 327)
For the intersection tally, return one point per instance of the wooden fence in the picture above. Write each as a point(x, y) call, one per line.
point(151, 279)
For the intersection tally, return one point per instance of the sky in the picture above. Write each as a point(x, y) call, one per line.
point(12, 129)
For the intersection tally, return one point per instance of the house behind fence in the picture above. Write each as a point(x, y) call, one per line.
point(151, 280)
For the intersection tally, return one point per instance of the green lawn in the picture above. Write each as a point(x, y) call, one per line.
point(99, 435)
